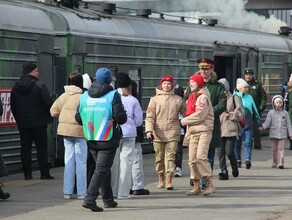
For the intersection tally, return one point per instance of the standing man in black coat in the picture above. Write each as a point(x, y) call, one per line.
point(30, 105)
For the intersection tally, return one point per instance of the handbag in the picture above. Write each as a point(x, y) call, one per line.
point(242, 121)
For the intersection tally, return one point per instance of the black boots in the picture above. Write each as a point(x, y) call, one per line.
point(3, 195)
point(223, 175)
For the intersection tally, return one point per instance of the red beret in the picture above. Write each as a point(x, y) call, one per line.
point(198, 78)
point(166, 78)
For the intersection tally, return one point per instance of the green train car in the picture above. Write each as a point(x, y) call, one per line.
point(61, 39)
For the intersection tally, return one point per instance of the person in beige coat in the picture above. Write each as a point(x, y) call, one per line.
point(229, 132)
point(163, 127)
point(65, 107)
point(200, 122)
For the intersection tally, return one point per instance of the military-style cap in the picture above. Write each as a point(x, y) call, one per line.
point(248, 71)
point(205, 63)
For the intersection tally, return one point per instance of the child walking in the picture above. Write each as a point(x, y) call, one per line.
point(279, 123)
point(199, 121)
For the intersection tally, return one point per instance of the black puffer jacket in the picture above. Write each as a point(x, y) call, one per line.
point(31, 102)
point(119, 115)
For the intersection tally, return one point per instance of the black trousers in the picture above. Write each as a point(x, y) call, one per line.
point(227, 148)
point(179, 152)
point(39, 136)
point(101, 178)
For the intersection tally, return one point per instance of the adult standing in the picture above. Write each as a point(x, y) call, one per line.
point(288, 101)
point(218, 99)
point(30, 105)
point(3, 169)
point(65, 108)
point(259, 96)
point(137, 168)
point(123, 162)
point(163, 127)
point(101, 112)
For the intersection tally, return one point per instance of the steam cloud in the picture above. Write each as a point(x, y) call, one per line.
point(230, 13)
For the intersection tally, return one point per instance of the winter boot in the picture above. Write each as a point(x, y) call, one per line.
point(209, 186)
point(235, 171)
point(160, 184)
point(196, 190)
point(281, 163)
point(223, 175)
point(3, 195)
point(168, 184)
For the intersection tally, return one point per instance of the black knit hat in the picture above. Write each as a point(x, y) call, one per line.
point(28, 67)
point(123, 80)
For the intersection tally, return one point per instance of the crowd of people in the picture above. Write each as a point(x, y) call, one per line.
point(102, 130)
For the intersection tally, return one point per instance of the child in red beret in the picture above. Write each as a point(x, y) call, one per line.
point(163, 127)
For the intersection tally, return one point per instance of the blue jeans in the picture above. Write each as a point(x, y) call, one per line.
point(75, 160)
point(246, 139)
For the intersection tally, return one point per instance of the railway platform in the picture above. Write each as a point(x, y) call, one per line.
point(261, 193)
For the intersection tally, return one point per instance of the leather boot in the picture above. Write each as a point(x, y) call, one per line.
point(168, 184)
point(196, 190)
point(209, 186)
point(160, 184)
point(3, 195)
point(223, 175)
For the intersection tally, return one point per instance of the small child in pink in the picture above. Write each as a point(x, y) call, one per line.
point(278, 121)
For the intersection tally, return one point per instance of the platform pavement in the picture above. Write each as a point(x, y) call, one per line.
point(261, 193)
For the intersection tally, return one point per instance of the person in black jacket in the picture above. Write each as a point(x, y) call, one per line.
point(30, 104)
point(101, 112)
point(3, 169)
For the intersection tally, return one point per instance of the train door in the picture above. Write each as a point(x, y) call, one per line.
point(226, 67)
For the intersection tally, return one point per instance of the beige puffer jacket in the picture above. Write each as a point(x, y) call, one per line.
point(162, 116)
point(65, 107)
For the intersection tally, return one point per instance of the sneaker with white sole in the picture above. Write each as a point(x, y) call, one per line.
point(177, 172)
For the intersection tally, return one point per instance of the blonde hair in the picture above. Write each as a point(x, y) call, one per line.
point(127, 91)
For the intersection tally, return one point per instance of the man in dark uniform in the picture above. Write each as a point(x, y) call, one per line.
point(259, 96)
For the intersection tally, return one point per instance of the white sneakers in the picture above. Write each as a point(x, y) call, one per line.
point(178, 172)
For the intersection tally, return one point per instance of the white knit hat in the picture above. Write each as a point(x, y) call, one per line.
point(278, 99)
point(225, 83)
point(240, 83)
point(86, 81)
point(290, 79)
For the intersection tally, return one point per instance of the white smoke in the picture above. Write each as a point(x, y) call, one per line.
point(230, 13)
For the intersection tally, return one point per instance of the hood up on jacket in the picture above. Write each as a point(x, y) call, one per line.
point(25, 84)
point(97, 89)
point(278, 97)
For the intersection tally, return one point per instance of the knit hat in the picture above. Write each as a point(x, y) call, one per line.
point(166, 78)
point(240, 83)
point(103, 75)
point(225, 83)
point(28, 67)
point(86, 81)
point(198, 78)
point(277, 99)
point(123, 80)
point(290, 79)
